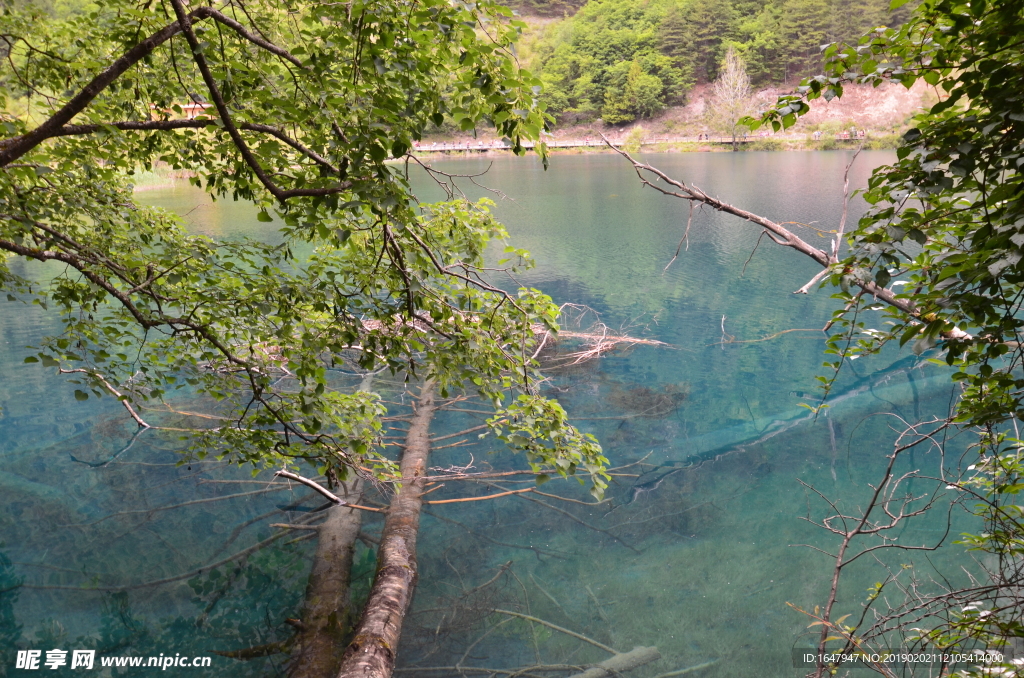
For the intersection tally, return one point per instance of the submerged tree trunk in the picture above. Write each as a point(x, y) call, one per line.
point(371, 653)
point(326, 613)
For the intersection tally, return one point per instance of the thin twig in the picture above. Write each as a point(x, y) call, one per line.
point(549, 596)
point(684, 239)
point(490, 496)
point(683, 672)
point(290, 526)
point(559, 629)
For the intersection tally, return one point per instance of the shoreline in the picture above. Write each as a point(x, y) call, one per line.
point(773, 144)
point(159, 178)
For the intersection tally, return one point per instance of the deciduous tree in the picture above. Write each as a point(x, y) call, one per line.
point(947, 225)
point(731, 97)
point(940, 247)
point(310, 112)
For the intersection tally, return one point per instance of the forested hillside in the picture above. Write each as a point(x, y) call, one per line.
point(627, 59)
point(624, 60)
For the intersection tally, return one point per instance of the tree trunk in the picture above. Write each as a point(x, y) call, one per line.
point(371, 653)
point(327, 614)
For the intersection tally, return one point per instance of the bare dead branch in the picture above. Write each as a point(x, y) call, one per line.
point(684, 239)
point(284, 473)
point(290, 526)
point(490, 496)
point(779, 233)
point(113, 391)
point(560, 629)
point(573, 518)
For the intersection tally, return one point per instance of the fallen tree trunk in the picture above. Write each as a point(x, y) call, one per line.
point(372, 651)
point(327, 615)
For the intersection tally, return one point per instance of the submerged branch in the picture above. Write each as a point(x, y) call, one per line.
point(560, 629)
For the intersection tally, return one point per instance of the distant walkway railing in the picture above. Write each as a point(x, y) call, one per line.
point(452, 146)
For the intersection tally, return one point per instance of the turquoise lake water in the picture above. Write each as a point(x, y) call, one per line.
point(702, 566)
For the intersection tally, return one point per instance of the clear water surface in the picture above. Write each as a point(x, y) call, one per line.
point(701, 565)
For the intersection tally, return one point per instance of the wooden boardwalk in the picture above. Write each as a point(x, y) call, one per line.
point(587, 142)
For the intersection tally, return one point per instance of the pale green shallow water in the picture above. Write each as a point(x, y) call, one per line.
point(702, 567)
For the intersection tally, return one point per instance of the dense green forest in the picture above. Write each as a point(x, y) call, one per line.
point(58, 9)
point(627, 59)
point(623, 60)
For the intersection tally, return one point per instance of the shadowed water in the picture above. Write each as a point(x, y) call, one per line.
point(693, 551)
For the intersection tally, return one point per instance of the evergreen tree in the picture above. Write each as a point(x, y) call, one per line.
point(805, 28)
point(639, 96)
point(584, 60)
point(851, 18)
point(711, 23)
point(675, 41)
point(760, 43)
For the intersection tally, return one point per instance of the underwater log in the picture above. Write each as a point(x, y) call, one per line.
point(372, 651)
point(620, 663)
point(326, 614)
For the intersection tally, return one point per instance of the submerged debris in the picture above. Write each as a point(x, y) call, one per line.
point(645, 401)
point(597, 339)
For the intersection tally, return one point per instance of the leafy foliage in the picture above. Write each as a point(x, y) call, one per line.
point(606, 60)
point(633, 94)
point(540, 428)
point(947, 225)
point(307, 106)
point(948, 217)
point(546, 8)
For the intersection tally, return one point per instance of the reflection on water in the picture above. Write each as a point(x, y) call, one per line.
point(114, 543)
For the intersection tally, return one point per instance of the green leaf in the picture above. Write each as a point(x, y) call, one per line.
point(263, 216)
point(917, 236)
point(81, 395)
point(926, 342)
point(377, 152)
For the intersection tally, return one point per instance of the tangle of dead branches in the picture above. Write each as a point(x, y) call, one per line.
point(597, 338)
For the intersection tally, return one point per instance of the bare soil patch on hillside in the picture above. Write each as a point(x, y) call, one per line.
point(883, 110)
